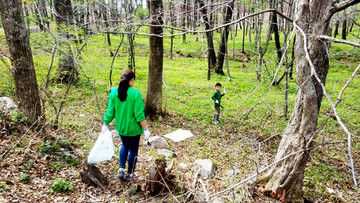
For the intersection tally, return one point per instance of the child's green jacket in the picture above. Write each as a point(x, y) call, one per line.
point(217, 96)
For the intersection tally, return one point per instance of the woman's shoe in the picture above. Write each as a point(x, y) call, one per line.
point(130, 177)
point(121, 173)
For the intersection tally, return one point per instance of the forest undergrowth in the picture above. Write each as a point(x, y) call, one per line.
point(45, 164)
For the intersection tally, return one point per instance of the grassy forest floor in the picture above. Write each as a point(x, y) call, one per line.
point(33, 161)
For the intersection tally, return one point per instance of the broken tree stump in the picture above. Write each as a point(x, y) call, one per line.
point(92, 176)
point(159, 178)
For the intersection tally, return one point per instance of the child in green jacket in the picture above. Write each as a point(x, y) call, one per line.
point(217, 100)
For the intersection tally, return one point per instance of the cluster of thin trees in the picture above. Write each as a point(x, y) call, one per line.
point(306, 24)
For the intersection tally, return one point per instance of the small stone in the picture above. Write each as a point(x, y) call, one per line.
point(166, 153)
point(232, 172)
point(207, 168)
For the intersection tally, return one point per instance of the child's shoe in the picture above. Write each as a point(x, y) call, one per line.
point(216, 122)
point(121, 173)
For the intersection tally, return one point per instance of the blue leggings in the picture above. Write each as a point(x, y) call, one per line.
point(129, 143)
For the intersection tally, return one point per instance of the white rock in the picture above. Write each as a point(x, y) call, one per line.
point(207, 168)
point(331, 191)
point(156, 142)
point(166, 153)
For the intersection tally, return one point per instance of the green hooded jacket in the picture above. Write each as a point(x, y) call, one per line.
point(217, 96)
point(127, 113)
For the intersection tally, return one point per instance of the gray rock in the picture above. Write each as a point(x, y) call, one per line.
point(215, 200)
point(156, 142)
point(166, 153)
point(9, 108)
point(199, 198)
point(232, 172)
point(206, 166)
point(183, 166)
point(7, 105)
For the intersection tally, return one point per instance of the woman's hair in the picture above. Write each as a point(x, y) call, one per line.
point(126, 76)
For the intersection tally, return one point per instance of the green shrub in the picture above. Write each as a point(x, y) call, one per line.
point(56, 165)
point(3, 187)
point(61, 185)
point(49, 146)
point(24, 177)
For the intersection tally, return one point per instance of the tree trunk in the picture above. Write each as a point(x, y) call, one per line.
point(172, 21)
point(17, 36)
point(276, 36)
point(66, 71)
point(224, 38)
point(209, 37)
point(343, 31)
point(184, 14)
point(153, 104)
point(336, 31)
point(284, 180)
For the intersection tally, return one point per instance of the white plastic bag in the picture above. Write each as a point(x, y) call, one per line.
point(103, 148)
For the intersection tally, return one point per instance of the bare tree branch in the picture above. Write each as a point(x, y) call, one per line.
point(343, 5)
point(184, 31)
point(338, 100)
point(335, 40)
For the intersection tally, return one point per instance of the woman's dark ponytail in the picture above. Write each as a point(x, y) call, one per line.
point(126, 76)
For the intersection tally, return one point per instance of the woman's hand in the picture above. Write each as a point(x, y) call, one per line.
point(146, 134)
point(104, 128)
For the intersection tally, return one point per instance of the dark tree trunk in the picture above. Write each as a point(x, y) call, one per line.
point(276, 35)
point(336, 31)
point(343, 31)
point(153, 104)
point(44, 14)
point(38, 17)
point(209, 37)
point(17, 36)
point(224, 38)
point(104, 12)
point(66, 71)
point(284, 180)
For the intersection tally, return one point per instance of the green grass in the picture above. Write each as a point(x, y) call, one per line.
point(251, 107)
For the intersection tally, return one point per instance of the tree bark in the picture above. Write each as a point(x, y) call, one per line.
point(224, 38)
point(184, 17)
point(153, 104)
point(66, 71)
point(336, 31)
point(284, 180)
point(276, 36)
point(172, 21)
point(209, 37)
point(343, 31)
point(17, 37)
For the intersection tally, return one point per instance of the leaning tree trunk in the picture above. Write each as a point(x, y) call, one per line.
point(153, 104)
point(17, 36)
point(284, 180)
point(224, 38)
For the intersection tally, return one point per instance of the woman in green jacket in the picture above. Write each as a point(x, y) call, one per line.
point(127, 107)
